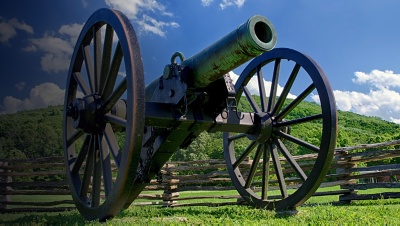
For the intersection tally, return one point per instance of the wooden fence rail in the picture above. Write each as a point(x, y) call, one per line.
point(45, 177)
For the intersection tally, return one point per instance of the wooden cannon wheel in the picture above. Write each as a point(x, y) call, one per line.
point(102, 149)
point(278, 115)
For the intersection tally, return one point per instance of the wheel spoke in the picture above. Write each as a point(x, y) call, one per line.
point(237, 136)
point(96, 186)
point(79, 79)
point(261, 87)
point(113, 73)
point(250, 98)
point(89, 67)
point(106, 59)
point(299, 120)
point(115, 119)
point(113, 98)
point(298, 141)
point(75, 136)
point(253, 168)
point(106, 165)
point(265, 172)
point(274, 85)
point(286, 89)
point(88, 171)
point(278, 170)
point(81, 156)
point(291, 160)
point(97, 57)
point(295, 102)
point(244, 154)
point(113, 144)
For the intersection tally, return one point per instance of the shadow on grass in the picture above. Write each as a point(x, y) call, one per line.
point(59, 218)
point(148, 213)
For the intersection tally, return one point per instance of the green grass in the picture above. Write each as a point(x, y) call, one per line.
point(40, 198)
point(316, 211)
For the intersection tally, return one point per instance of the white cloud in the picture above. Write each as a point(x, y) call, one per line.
point(131, 8)
point(122, 74)
point(226, 3)
point(395, 120)
point(41, 96)
point(8, 29)
point(20, 86)
point(252, 86)
point(379, 79)
point(139, 11)
point(71, 31)
point(382, 100)
point(57, 48)
point(206, 2)
point(151, 25)
point(85, 3)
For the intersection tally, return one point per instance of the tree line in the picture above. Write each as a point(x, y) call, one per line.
point(38, 133)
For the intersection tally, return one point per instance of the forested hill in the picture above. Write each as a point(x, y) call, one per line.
point(31, 134)
point(38, 133)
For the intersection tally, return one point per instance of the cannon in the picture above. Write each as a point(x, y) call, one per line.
point(118, 133)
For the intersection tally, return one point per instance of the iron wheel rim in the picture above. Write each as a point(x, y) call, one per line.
point(328, 137)
point(105, 88)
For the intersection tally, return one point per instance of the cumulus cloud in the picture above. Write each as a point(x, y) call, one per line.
point(377, 78)
point(150, 25)
point(206, 2)
point(9, 28)
point(226, 3)
point(131, 8)
point(57, 47)
point(139, 11)
point(122, 74)
point(20, 86)
point(71, 32)
point(381, 100)
point(41, 96)
point(85, 3)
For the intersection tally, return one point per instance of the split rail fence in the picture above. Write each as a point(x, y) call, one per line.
point(39, 184)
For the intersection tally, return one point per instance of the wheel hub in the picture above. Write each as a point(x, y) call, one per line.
point(83, 113)
point(264, 128)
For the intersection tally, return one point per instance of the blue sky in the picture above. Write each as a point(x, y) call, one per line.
point(357, 43)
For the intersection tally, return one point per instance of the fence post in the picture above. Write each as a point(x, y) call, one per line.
point(343, 159)
point(170, 186)
point(4, 189)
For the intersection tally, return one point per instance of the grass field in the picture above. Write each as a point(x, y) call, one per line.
point(316, 211)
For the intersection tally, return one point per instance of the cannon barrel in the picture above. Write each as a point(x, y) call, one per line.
point(249, 40)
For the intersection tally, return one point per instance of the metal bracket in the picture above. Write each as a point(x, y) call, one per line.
point(231, 103)
point(171, 88)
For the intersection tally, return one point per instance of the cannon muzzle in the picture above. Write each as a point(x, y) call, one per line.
point(249, 40)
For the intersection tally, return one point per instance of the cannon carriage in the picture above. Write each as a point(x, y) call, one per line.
point(118, 133)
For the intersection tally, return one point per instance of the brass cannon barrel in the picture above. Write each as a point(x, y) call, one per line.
point(249, 40)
